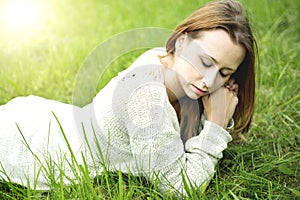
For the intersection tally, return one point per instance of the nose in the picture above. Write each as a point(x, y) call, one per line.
point(210, 77)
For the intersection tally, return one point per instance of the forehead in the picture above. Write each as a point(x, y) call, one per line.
point(218, 45)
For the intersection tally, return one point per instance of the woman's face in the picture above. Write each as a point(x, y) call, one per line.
point(206, 63)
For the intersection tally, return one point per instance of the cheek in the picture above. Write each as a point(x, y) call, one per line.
point(213, 89)
point(192, 60)
point(218, 83)
point(186, 71)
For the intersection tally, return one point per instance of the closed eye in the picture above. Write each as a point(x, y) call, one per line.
point(224, 74)
point(206, 62)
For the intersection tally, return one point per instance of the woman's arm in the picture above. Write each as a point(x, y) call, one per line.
point(157, 147)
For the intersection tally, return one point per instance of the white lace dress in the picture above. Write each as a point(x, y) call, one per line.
point(132, 121)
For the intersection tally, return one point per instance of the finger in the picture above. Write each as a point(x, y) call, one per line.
point(235, 101)
point(206, 104)
point(229, 83)
point(235, 89)
point(205, 99)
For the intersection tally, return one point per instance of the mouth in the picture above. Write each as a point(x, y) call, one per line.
point(199, 91)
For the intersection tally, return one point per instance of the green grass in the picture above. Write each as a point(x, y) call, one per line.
point(46, 63)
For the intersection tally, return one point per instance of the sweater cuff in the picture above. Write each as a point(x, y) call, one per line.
point(212, 139)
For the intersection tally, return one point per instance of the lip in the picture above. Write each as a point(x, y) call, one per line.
point(199, 91)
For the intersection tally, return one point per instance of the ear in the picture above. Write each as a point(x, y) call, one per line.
point(179, 43)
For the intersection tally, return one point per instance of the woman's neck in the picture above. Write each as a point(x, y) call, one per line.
point(171, 79)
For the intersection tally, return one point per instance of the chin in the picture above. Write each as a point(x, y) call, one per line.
point(193, 96)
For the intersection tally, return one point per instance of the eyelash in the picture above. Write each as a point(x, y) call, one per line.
point(205, 65)
point(223, 75)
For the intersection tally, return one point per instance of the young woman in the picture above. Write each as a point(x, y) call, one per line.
point(168, 116)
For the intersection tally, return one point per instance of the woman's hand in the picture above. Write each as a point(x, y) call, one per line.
point(220, 105)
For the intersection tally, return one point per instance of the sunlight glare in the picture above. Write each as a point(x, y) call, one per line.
point(20, 14)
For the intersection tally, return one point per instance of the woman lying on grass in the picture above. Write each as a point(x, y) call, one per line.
point(168, 116)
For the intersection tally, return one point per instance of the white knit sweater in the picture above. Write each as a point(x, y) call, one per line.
point(135, 126)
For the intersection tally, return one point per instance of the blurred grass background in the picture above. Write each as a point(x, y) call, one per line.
point(44, 60)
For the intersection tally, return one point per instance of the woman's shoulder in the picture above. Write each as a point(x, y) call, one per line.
point(150, 56)
point(144, 79)
point(145, 74)
point(146, 68)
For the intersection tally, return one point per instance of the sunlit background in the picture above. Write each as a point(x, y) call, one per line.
point(46, 41)
point(43, 44)
point(21, 14)
point(22, 17)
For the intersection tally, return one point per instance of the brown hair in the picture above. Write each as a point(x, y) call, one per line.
point(229, 16)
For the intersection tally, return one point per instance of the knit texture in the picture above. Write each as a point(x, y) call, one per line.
point(131, 120)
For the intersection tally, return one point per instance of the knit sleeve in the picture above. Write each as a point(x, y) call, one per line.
point(157, 147)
